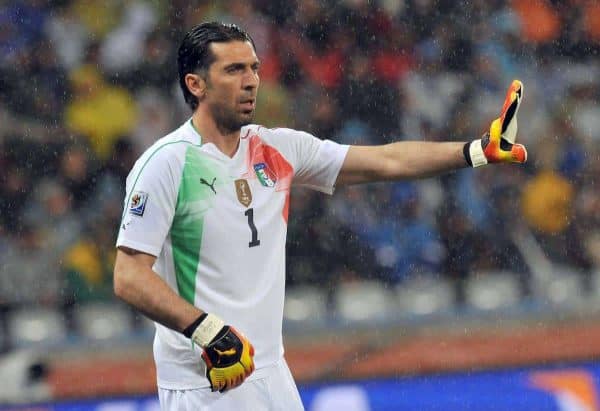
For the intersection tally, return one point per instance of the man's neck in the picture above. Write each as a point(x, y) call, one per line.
point(226, 142)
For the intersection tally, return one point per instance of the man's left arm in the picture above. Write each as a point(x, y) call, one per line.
point(400, 161)
point(418, 159)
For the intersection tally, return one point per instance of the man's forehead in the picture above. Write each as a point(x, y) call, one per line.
point(233, 52)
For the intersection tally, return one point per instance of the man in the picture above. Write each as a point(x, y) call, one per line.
point(202, 240)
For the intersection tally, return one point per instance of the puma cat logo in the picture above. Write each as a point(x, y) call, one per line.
point(211, 185)
point(230, 351)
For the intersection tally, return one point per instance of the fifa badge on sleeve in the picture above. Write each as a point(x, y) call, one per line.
point(137, 204)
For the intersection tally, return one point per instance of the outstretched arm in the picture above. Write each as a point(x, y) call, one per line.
point(418, 159)
point(400, 161)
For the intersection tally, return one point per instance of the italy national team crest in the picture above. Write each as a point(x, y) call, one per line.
point(242, 189)
point(266, 177)
point(138, 203)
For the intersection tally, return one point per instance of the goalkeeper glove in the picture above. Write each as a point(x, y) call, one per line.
point(498, 144)
point(227, 353)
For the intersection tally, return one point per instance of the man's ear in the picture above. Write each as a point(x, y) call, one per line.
point(196, 85)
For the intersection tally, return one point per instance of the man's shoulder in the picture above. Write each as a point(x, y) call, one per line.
point(177, 140)
point(172, 146)
point(271, 135)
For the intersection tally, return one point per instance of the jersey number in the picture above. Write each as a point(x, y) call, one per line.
point(255, 241)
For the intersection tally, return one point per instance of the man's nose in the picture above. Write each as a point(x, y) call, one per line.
point(250, 81)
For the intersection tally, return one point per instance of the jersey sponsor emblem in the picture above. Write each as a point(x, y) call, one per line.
point(264, 174)
point(242, 189)
point(138, 203)
point(210, 185)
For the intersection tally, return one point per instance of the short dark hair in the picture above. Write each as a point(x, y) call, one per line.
point(195, 55)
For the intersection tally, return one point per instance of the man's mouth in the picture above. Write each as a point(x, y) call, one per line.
point(248, 104)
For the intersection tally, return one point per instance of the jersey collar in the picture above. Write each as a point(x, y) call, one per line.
point(211, 148)
point(195, 131)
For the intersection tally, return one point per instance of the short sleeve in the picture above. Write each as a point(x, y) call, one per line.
point(316, 162)
point(150, 201)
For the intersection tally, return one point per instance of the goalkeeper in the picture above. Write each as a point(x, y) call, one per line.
point(201, 246)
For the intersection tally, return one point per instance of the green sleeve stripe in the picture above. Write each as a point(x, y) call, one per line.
point(128, 195)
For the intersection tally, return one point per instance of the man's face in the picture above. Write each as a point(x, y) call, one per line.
point(232, 84)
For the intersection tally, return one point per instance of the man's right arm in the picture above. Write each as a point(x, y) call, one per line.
point(137, 284)
point(227, 353)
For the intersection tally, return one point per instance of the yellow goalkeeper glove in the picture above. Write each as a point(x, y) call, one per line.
point(498, 144)
point(228, 354)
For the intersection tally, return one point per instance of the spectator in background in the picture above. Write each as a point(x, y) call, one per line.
point(35, 85)
point(123, 46)
point(591, 22)
point(52, 214)
point(14, 191)
point(152, 69)
point(547, 203)
point(324, 115)
point(304, 241)
point(99, 111)
point(429, 91)
point(587, 217)
point(87, 266)
point(369, 100)
point(22, 25)
point(23, 260)
point(67, 34)
point(76, 174)
point(110, 184)
point(462, 243)
point(311, 46)
point(540, 22)
point(155, 115)
point(98, 17)
point(272, 108)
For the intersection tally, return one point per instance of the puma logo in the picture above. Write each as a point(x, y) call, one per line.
point(211, 185)
point(230, 351)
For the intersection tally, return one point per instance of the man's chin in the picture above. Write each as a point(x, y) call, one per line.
point(231, 121)
point(247, 118)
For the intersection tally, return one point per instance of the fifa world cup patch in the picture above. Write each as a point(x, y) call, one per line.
point(265, 175)
point(138, 203)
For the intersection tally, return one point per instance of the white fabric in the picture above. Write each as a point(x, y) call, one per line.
point(476, 152)
point(207, 330)
point(242, 284)
point(274, 391)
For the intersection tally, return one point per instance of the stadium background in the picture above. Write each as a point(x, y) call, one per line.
point(485, 269)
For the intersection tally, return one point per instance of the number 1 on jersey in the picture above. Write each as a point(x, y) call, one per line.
point(255, 241)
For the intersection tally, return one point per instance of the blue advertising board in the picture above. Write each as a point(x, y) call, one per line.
point(572, 388)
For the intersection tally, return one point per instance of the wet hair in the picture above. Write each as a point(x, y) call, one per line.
point(195, 55)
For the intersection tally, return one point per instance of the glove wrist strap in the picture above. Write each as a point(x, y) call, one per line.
point(207, 330)
point(474, 154)
point(192, 327)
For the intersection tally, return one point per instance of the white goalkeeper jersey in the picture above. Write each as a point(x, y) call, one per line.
point(218, 225)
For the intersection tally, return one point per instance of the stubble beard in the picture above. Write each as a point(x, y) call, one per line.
point(229, 120)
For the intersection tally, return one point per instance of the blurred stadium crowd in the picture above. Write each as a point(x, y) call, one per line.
point(86, 86)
